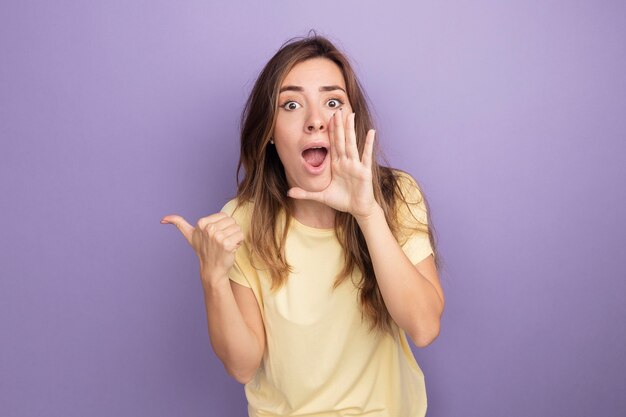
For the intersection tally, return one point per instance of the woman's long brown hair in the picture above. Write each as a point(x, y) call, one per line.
point(265, 185)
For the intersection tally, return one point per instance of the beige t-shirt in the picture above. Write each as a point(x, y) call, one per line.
point(321, 359)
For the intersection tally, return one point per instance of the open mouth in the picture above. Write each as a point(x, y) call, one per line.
point(315, 156)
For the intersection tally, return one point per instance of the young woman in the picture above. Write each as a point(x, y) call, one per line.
point(324, 263)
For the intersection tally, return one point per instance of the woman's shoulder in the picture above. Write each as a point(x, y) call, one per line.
point(410, 201)
point(407, 184)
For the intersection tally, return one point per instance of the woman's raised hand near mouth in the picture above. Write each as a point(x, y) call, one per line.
point(350, 188)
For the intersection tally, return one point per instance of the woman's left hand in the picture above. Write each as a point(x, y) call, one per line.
point(350, 188)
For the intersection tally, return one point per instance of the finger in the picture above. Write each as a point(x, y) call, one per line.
point(226, 232)
point(331, 137)
point(339, 136)
point(368, 149)
point(351, 150)
point(221, 224)
point(185, 228)
point(300, 194)
point(234, 241)
point(213, 218)
point(230, 238)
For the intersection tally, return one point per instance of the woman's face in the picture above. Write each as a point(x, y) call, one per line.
point(310, 93)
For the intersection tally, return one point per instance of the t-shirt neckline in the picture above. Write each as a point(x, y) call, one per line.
point(311, 229)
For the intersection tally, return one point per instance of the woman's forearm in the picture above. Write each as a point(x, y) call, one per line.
point(412, 300)
point(232, 340)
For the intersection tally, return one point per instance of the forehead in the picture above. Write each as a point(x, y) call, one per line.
point(315, 72)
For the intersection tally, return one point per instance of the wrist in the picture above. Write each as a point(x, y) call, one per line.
point(212, 282)
point(215, 290)
point(364, 220)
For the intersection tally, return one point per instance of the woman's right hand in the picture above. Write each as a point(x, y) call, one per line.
point(215, 239)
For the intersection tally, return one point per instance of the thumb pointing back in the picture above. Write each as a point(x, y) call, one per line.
point(185, 228)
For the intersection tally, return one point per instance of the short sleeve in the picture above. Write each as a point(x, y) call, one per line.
point(235, 273)
point(413, 220)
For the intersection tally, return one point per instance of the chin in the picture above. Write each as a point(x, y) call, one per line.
point(314, 184)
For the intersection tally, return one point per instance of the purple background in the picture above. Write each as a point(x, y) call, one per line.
point(113, 114)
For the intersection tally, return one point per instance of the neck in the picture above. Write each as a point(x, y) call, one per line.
point(314, 214)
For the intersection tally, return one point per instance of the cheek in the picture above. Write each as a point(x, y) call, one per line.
point(286, 123)
point(285, 152)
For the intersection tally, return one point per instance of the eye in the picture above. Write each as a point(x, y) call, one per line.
point(336, 101)
point(290, 105)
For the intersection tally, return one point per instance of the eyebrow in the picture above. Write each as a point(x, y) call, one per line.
point(298, 88)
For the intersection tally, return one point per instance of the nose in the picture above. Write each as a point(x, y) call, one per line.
point(315, 121)
point(316, 125)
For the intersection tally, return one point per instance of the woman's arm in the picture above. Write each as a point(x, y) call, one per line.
point(235, 328)
point(234, 319)
point(412, 293)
